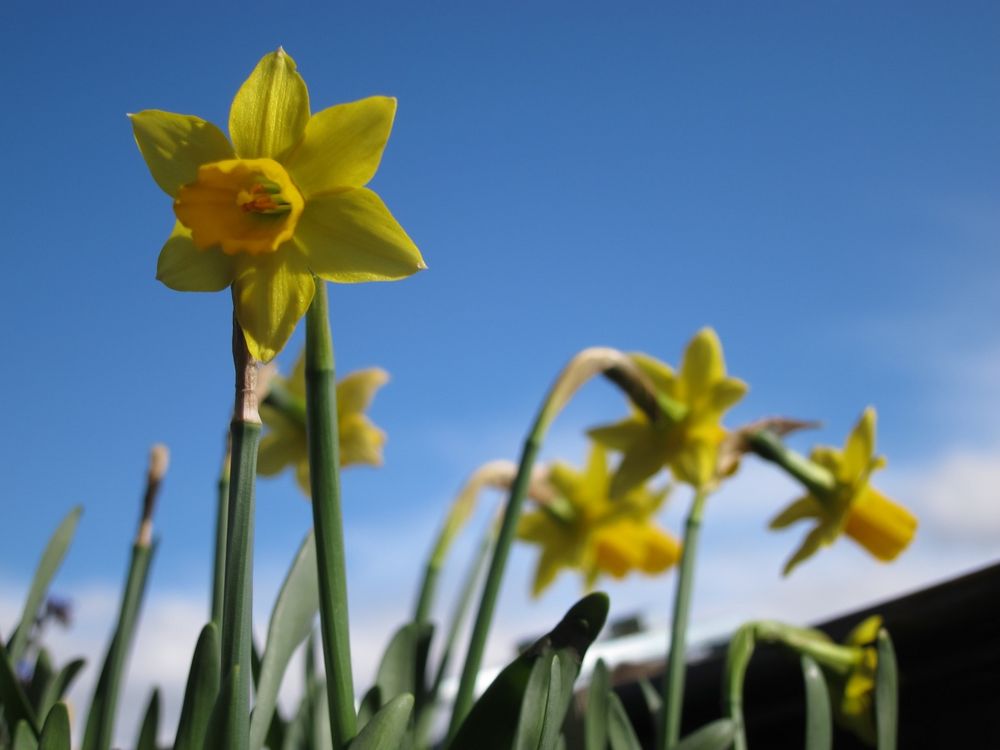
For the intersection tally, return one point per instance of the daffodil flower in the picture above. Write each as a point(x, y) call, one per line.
point(580, 527)
point(284, 201)
point(849, 504)
point(687, 439)
point(284, 444)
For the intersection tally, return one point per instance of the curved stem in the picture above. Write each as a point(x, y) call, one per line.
point(324, 474)
point(673, 685)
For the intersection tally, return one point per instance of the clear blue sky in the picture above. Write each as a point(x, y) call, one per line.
point(818, 182)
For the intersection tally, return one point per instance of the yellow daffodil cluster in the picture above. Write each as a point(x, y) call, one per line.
point(284, 444)
point(581, 527)
point(687, 438)
point(850, 505)
point(285, 200)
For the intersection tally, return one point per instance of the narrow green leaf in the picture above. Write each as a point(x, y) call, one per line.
point(492, 721)
point(24, 737)
point(886, 693)
point(595, 720)
point(299, 729)
point(386, 729)
point(15, 703)
point(370, 705)
point(819, 723)
point(403, 663)
point(322, 738)
point(621, 735)
point(52, 558)
point(291, 623)
point(716, 735)
point(535, 703)
point(221, 730)
point(150, 726)
point(41, 676)
point(55, 733)
point(651, 697)
point(561, 681)
point(58, 686)
point(201, 691)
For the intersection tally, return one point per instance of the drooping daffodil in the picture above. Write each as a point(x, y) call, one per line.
point(848, 504)
point(688, 437)
point(283, 412)
point(580, 527)
point(285, 200)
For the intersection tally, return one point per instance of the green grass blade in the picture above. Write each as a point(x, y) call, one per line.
point(717, 735)
point(595, 720)
point(222, 729)
point(41, 676)
point(819, 722)
point(52, 558)
point(24, 737)
point(150, 724)
point(59, 685)
point(55, 733)
point(201, 691)
point(886, 693)
point(387, 728)
point(291, 623)
point(621, 735)
point(15, 703)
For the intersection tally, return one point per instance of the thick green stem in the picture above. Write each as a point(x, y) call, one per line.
point(237, 601)
point(491, 589)
point(815, 478)
point(221, 530)
point(324, 473)
point(673, 685)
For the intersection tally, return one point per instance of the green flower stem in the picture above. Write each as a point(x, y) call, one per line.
point(221, 525)
point(324, 473)
point(741, 648)
point(673, 685)
point(237, 600)
point(816, 479)
point(428, 588)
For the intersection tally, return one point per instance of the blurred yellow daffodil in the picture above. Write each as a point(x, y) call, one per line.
point(581, 527)
point(687, 439)
point(284, 201)
point(283, 412)
point(850, 505)
point(853, 691)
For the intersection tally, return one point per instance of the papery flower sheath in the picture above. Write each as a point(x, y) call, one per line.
point(852, 506)
point(284, 200)
point(687, 440)
point(580, 527)
point(284, 442)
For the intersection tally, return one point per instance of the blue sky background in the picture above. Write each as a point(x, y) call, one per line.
point(817, 182)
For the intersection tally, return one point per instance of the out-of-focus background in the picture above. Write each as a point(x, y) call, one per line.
point(818, 184)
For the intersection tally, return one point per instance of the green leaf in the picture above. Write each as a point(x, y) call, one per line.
point(404, 661)
point(322, 739)
point(886, 693)
point(386, 729)
point(291, 623)
point(55, 733)
point(24, 737)
point(41, 676)
point(15, 703)
point(595, 720)
point(535, 703)
point(52, 558)
point(651, 697)
point(716, 735)
point(370, 705)
point(201, 691)
point(492, 721)
point(819, 723)
point(299, 729)
point(621, 735)
point(150, 724)
point(57, 687)
point(221, 729)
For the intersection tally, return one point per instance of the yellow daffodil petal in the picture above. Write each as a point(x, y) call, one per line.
point(618, 549)
point(535, 527)
point(302, 477)
point(361, 441)
point(637, 465)
point(804, 507)
point(350, 237)
point(695, 462)
point(621, 435)
point(342, 145)
point(174, 146)
point(356, 390)
point(662, 551)
point(859, 448)
point(550, 561)
point(865, 632)
point(271, 294)
point(663, 376)
point(725, 393)
point(595, 475)
point(809, 547)
point(703, 365)
point(283, 445)
point(270, 111)
point(880, 525)
point(185, 268)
